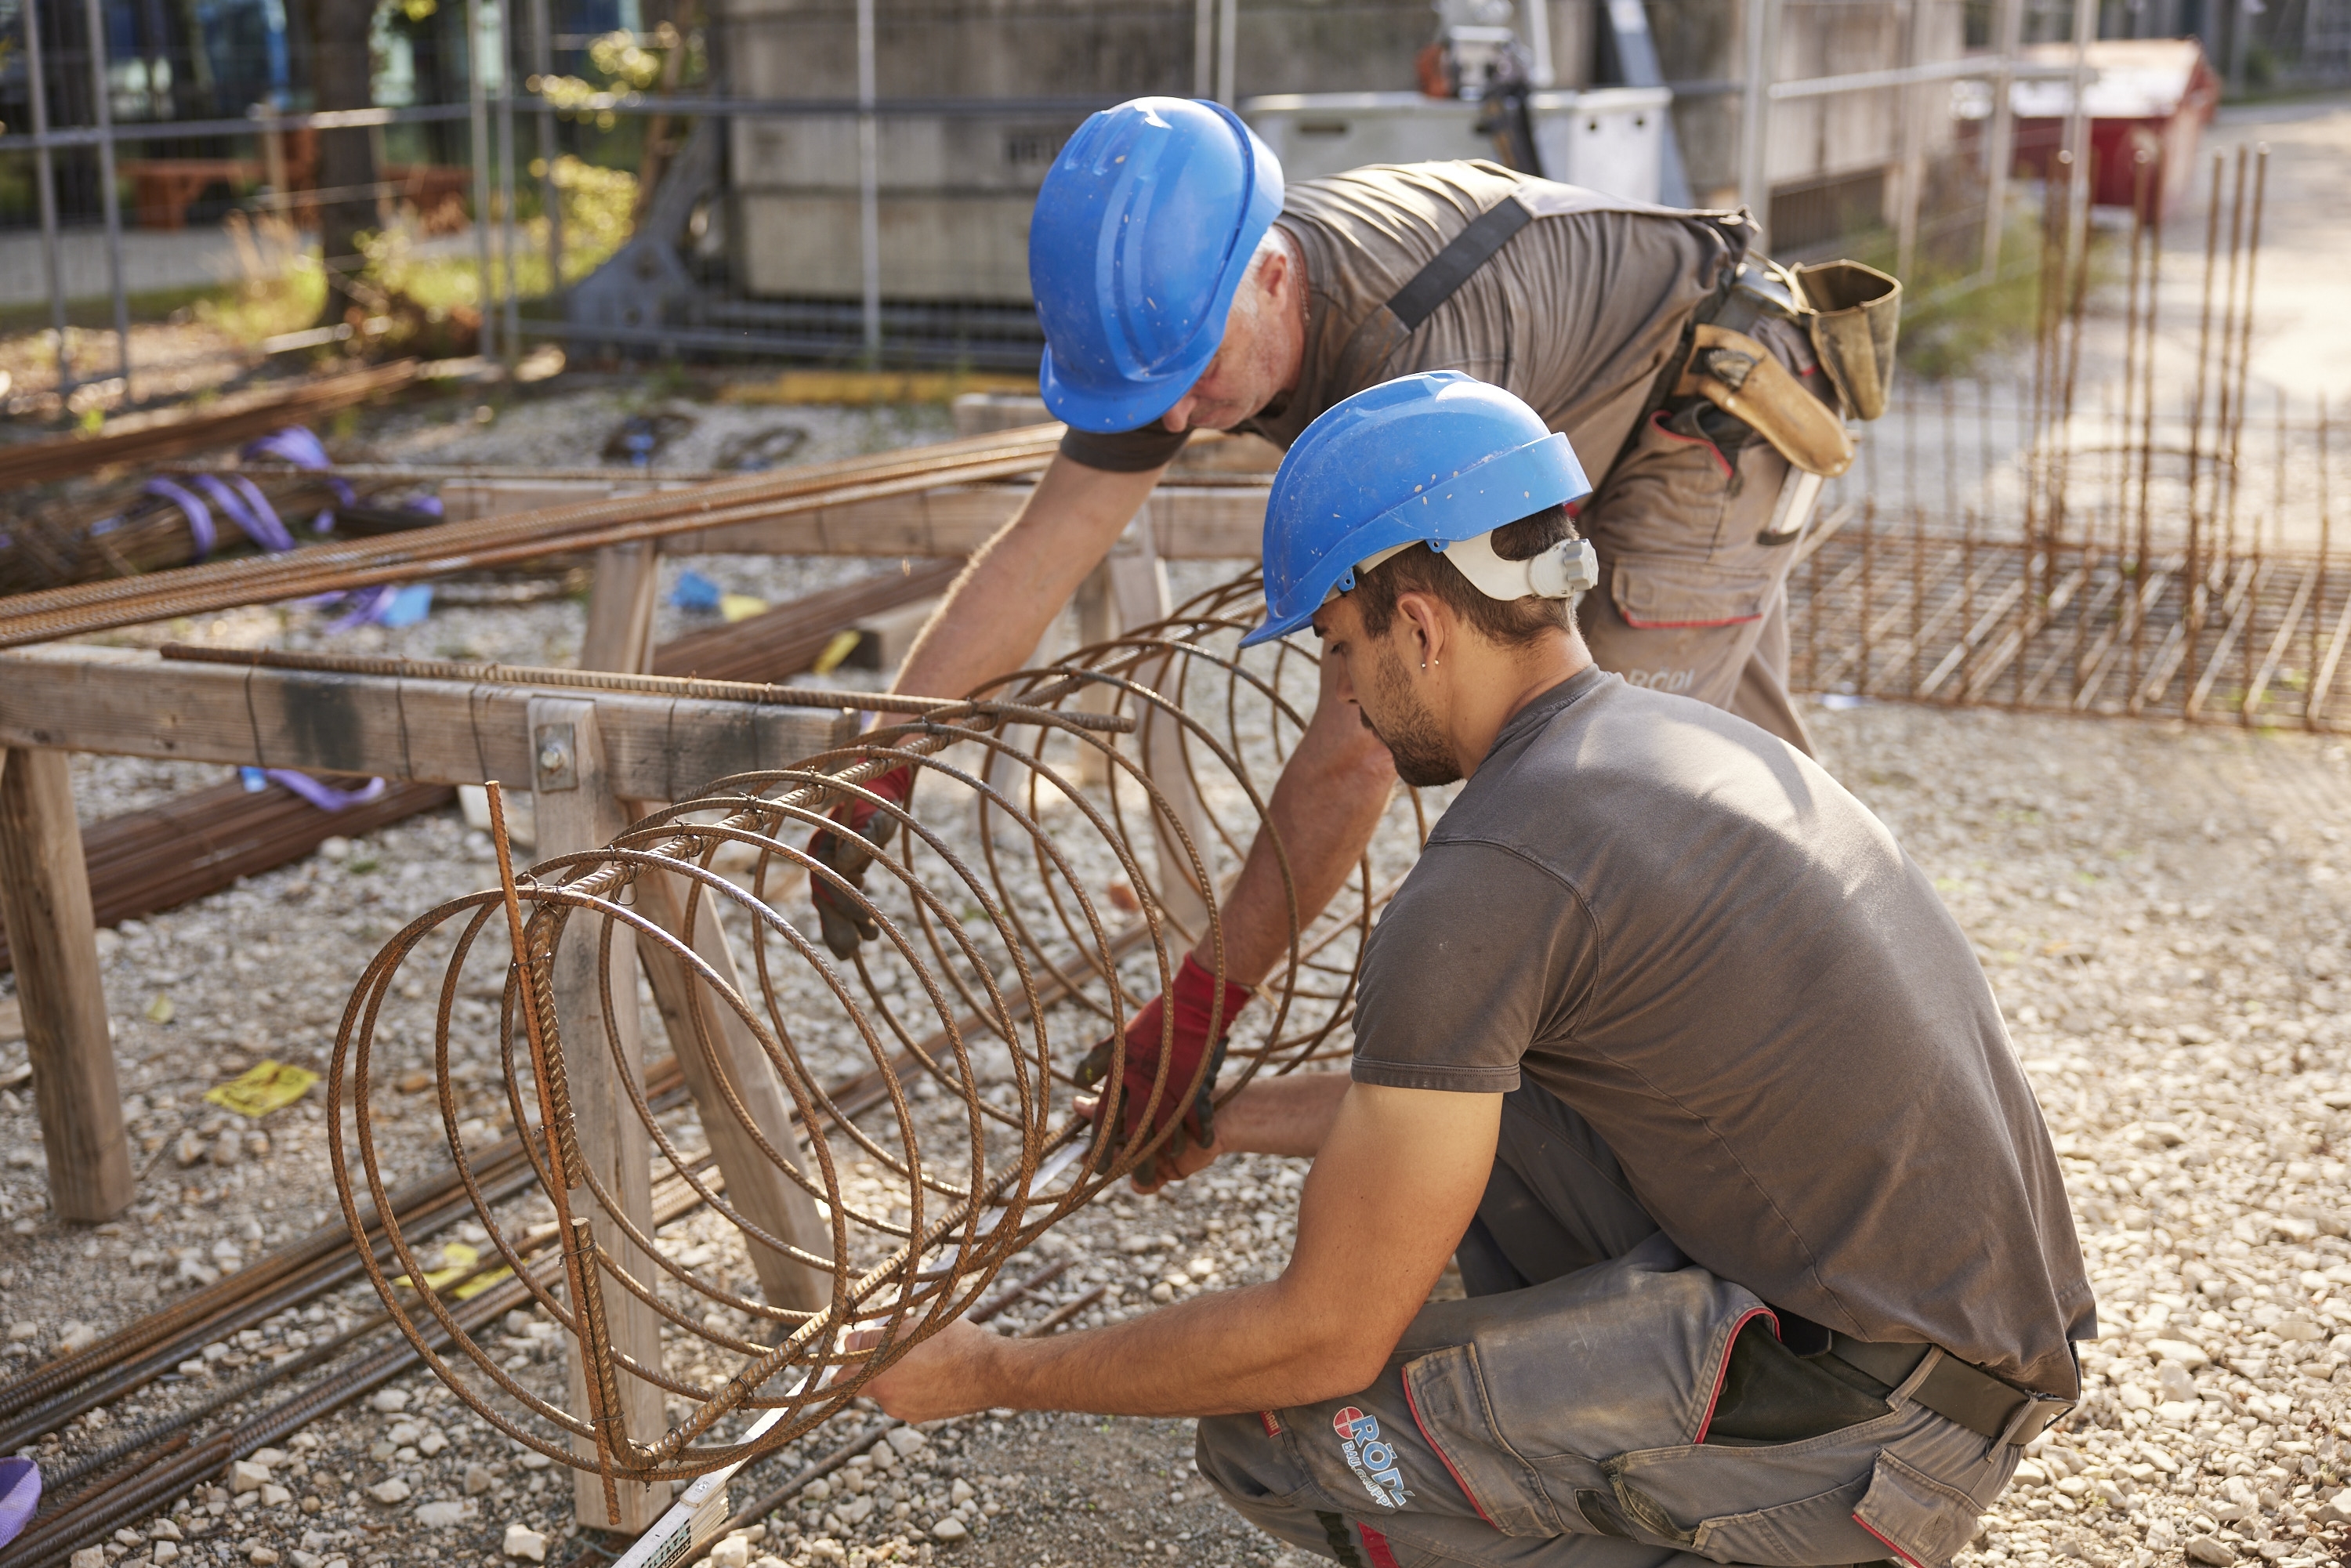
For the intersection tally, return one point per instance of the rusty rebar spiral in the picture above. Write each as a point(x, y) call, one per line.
point(1061, 850)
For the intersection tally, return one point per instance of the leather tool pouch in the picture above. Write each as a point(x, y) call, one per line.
point(1855, 317)
point(1747, 381)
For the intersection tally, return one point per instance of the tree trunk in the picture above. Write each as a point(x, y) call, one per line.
point(347, 171)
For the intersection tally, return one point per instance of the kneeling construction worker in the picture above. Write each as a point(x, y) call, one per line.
point(1183, 286)
point(1768, 1257)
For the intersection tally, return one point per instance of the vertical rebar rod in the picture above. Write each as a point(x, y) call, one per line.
point(869, 183)
point(1868, 591)
point(1960, 675)
point(1910, 453)
point(109, 199)
point(1812, 628)
point(2230, 416)
point(511, 334)
point(1984, 443)
point(2000, 147)
point(2141, 577)
point(1909, 146)
point(2243, 315)
point(1229, 27)
point(1917, 594)
point(2076, 302)
point(1755, 119)
point(478, 131)
point(45, 175)
point(542, 64)
point(1949, 492)
point(2192, 603)
point(1204, 49)
point(2081, 193)
point(2318, 591)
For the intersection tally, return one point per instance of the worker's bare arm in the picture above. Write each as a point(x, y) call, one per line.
point(1363, 1266)
point(1290, 1116)
point(1324, 807)
point(1020, 579)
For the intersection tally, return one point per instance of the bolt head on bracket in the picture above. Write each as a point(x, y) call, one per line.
point(555, 759)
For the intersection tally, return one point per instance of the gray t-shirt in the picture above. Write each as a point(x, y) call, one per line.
point(1576, 314)
point(1694, 936)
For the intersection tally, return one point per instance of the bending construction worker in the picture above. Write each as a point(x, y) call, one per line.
point(1767, 1252)
point(1182, 287)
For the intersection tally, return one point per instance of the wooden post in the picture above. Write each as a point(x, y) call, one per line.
point(1138, 585)
point(577, 811)
point(620, 634)
point(45, 898)
point(756, 1189)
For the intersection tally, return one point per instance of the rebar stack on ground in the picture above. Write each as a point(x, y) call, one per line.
point(1064, 844)
point(509, 538)
point(2143, 557)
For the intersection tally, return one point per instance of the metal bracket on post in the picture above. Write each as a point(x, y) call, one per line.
point(577, 811)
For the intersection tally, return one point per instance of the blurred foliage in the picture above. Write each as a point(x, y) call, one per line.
point(627, 64)
point(596, 202)
point(280, 286)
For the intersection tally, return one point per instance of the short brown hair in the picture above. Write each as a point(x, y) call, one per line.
point(1513, 622)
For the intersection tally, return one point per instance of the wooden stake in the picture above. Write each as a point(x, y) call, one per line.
point(45, 898)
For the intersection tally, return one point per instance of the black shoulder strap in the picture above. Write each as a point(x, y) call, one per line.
point(1472, 248)
point(1383, 330)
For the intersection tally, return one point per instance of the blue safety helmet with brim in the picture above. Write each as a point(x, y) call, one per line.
point(1439, 458)
point(1141, 234)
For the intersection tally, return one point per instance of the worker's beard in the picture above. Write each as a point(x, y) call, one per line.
point(1424, 758)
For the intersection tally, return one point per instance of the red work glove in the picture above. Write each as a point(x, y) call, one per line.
point(843, 921)
point(1190, 1002)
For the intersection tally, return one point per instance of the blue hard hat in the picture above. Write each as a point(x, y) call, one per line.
point(1143, 231)
point(1436, 458)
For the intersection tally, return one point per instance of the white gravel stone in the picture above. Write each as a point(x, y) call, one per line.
point(244, 1476)
point(390, 1492)
point(90, 1557)
point(523, 1542)
point(947, 1529)
point(389, 1401)
point(907, 1440)
point(441, 1515)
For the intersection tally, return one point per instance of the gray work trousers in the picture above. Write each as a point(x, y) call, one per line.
point(1692, 598)
point(1560, 1416)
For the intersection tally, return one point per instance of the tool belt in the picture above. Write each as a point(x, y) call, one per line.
point(1852, 314)
point(1954, 1389)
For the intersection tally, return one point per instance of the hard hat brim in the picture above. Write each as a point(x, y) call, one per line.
point(1110, 408)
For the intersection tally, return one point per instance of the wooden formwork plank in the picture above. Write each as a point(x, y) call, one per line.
point(1190, 522)
point(134, 704)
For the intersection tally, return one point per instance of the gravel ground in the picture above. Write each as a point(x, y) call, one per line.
point(2158, 909)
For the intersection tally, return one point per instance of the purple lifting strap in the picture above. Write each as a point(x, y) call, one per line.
point(199, 516)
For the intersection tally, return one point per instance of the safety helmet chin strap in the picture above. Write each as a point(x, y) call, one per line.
point(1568, 568)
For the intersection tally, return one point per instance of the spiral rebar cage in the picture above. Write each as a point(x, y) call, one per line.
point(867, 1140)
